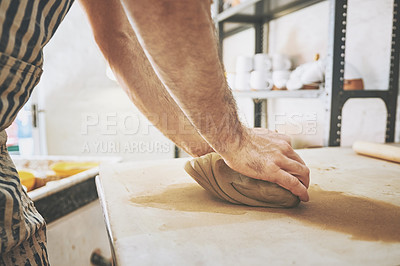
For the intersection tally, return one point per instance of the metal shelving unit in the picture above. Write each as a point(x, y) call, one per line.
point(256, 13)
point(280, 94)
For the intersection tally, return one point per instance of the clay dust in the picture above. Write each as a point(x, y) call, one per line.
point(362, 218)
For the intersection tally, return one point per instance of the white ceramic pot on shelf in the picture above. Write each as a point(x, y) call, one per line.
point(280, 77)
point(260, 80)
point(281, 62)
point(244, 64)
point(262, 62)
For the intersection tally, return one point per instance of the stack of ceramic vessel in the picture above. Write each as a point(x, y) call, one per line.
point(261, 76)
point(244, 66)
point(281, 65)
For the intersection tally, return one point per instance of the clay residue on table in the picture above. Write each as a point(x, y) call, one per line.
point(329, 168)
point(189, 198)
point(362, 218)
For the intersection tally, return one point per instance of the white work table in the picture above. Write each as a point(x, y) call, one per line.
point(157, 215)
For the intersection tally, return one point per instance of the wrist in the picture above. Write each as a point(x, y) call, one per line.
point(197, 148)
point(232, 141)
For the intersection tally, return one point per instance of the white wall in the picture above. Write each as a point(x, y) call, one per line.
point(76, 93)
point(303, 34)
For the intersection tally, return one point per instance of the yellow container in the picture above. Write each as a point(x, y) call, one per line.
point(27, 179)
point(64, 169)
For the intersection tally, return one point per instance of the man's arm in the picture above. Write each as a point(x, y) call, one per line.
point(179, 38)
point(118, 43)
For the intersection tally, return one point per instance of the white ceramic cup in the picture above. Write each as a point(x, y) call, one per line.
point(244, 64)
point(280, 77)
point(242, 81)
point(281, 62)
point(260, 81)
point(262, 62)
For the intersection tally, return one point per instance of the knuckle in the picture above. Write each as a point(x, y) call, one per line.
point(276, 155)
point(292, 182)
point(274, 174)
point(307, 171)
point(286, 147)
point(278, 159)
point(274, 168)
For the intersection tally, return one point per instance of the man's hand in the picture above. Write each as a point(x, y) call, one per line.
point(268, 155)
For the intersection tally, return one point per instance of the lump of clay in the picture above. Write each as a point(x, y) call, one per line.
point(212, 173)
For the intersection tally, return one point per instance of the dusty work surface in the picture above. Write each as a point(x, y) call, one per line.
point(157, 215)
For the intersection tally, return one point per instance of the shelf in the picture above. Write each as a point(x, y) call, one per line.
point(267, 94)
point(256, 13)
point(245, 15)
point(244, 8)
point(252, 11)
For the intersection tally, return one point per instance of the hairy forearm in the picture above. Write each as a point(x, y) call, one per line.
point(135, 74)
point(180, 41)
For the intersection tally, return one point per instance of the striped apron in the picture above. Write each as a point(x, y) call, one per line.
point(25, 28)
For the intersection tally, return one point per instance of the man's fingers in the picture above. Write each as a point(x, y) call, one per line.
point(288, 151)
point(291, 183)
point(297, 169)
point(293, 155)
